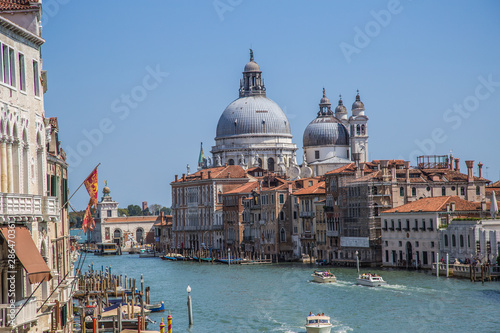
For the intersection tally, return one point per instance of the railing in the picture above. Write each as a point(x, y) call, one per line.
point(26, 315)
point(332, 233)
point(217, 227)
point(306, 214)
point(50, 208)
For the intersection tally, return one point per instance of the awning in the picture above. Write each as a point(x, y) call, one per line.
point(27, 253)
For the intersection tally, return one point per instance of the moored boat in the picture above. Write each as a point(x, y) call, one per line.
point(318, 324)
point(159, 307)
point(370, 280)
point(323, 277)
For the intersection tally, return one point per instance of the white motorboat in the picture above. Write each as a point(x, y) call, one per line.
point(370, 280)
point(318, 324)
point(323, 277)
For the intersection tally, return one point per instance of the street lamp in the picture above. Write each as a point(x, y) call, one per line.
point(190, 307)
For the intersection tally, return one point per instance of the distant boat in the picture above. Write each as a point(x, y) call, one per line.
point(323, 277)
point(318, 324)
point(104, 249)
point(370, 280)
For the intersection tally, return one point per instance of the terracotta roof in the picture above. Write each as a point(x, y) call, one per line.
point(436, 204)
point(245, 188)
point(10, 5)
point(318, 188)
point(229, 171)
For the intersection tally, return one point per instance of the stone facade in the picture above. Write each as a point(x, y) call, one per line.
point(33, 183)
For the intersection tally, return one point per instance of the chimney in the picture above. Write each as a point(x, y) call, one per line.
point(470, 165)
point(183, 176)
point(385, 173)
point(356, 157)
point(289, 188)
point(229, 175)
point(447, 207)
point(201, 175)
point(362, 168)
point(451, 162)
point(209, 174)
point(393, 173)
point(457, 166)
point(452, 206)
point(480, 166)
point(407, 168)
point(176, 178)
point(162, 214)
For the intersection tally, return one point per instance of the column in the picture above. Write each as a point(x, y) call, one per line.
point(10, 172)
point(3, 175)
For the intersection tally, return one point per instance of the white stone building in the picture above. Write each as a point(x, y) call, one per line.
point(331, 140)
point(471, 239)
point(411, 232)
point(253, 130)
point(32, 211)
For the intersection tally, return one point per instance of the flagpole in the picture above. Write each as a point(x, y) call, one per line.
point(79, 187)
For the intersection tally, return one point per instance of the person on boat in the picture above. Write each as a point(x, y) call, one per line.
point(310, 314)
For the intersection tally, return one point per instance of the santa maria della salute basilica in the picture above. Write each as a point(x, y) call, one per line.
point(253, 131)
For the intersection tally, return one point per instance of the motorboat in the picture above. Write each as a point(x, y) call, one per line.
point(318, 324)
point(370, 280)
point(323, 277)
point(158, 307)
point(104, 249)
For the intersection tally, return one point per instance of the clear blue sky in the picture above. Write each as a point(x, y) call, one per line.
point(422, 69)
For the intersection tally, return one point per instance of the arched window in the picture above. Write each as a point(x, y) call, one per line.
point(117, 234)
point(282, 216)
point(478, 190)
point(270, 164)
point(358, 130)
point(230, 162)
point(413, 191)
point(453, 241)
point(139, 235)
point(446, 240)
point(375, 209)
point(461, 240)
point(362, 129)
point(443, 190)
point(260, 162)
point(283, 235)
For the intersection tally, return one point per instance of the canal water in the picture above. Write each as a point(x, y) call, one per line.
point(278, 297)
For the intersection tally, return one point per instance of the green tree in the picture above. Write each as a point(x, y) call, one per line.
point(167, 211)
point(155, 209)
point(123, 211)
point(134, 210)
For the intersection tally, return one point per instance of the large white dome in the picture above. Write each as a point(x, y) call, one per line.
point(253, 115)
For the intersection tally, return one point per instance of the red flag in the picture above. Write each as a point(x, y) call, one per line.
point(92, 187)
point(88, 221)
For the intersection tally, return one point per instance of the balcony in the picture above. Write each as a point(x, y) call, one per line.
point(307, 235)
point(248, 239)
point(25, 316)
point(217, 227)
point(307, 214)
point(332, 233)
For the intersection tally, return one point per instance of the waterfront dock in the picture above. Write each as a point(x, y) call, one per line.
point(476, 273)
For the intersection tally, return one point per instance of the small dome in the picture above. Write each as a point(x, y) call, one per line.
point(340, 108)
point(358, 105)
point(324, 99)
point(325, 131)
point(251, 66)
